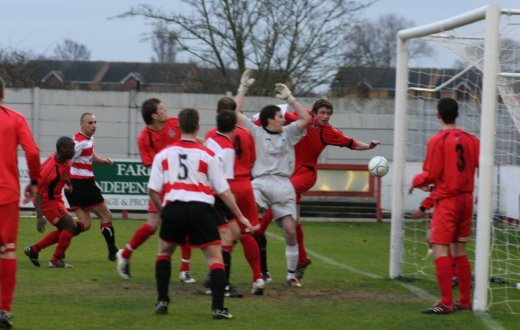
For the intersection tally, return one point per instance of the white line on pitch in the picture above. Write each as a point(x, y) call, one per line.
point(484, 317)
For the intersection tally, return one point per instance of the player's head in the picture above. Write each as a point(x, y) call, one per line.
point(189, 120)
point(322, 103)
point(226, 103)
point(153, 109)
point(88, 124)
point(2, 87)
point(65, 147)
point(271, 117)
point(226, 121)
point(448, 110)
point(322, 111)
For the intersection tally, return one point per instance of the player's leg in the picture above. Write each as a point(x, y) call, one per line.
point(226, 237)
point(172, 233)
point(460, 258)
point(441, 237)
point(163, 269)
point(185, 269)
point(291, 249)
point(8, 268)
point(303, 180)
point(213, 256)
point(67, 230)
point(107, 229)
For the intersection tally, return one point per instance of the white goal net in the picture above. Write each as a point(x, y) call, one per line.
point(456, 68)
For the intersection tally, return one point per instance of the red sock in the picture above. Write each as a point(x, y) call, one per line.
point(302, 253)
point(140, 236)
point(48, 240)
point(185, 258)
point(444, 270)
point(252, 254)
point(463, 273)
point(267, 218)
point(63, 243)
point(7, 283)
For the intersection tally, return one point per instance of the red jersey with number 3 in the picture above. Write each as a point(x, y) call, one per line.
point(450, 163)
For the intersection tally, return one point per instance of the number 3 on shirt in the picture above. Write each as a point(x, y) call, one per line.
point(461, 163)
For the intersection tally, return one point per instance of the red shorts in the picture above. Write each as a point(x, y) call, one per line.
point(9, 226)
point(54, 211)
point(452, 218)
point(303, 179)
point(245, 198)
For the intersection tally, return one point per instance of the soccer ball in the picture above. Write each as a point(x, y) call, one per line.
point(378, 166)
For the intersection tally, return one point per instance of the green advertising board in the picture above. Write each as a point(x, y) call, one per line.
point(124, 184)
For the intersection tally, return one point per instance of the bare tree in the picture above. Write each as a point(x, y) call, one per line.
point(17, 68)
point(164, 44)
point(373, 43)
point(70, 50)
point(290, 41)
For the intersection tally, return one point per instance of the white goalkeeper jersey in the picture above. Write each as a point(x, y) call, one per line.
point(275, 151)
point(187, 171)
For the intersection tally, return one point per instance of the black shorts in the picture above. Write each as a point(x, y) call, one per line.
point(195, 221)
point(85, 194)
point(223, 212)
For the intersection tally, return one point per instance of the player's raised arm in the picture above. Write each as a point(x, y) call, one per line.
point(245, 83)
point(284, 93)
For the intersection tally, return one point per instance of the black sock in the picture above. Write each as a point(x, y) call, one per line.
point(163, 270)
point(226, 257)
point(217, 288)
point(110, 237)
point(262, 244)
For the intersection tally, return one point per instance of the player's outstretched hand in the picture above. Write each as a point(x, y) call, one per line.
point(284, 93)
point(40, 225)
point(373, 144)
point(246, 81)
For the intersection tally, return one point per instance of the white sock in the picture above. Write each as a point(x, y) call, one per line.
point(291, 255)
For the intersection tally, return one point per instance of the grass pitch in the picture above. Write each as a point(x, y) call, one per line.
point(346, 287)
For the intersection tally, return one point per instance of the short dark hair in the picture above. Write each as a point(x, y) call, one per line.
point(63, 142)
point(267, 112)
point(148, 108)
point(226, 121)
point(85, 114)
point(321, 103)
point(188, 120)
point(226, 103)
point(448, 110)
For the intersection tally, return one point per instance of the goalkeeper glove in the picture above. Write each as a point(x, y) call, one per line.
point(283, 93)
point(246, 81)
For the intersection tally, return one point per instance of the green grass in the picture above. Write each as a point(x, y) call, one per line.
point(346, 287)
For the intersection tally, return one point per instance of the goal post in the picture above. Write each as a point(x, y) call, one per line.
point(490, 16)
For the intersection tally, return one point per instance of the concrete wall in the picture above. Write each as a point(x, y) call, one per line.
point(53, 113)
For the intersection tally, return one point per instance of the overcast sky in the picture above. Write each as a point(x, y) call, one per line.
point(38, 26)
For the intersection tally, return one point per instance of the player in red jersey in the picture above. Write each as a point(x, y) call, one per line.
point(160, 131)
point(14, 131)
point(187, 175)
point(240, 141)
point(320, 134)
point(85, 196)
point(449, 169)
point(49, 203)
